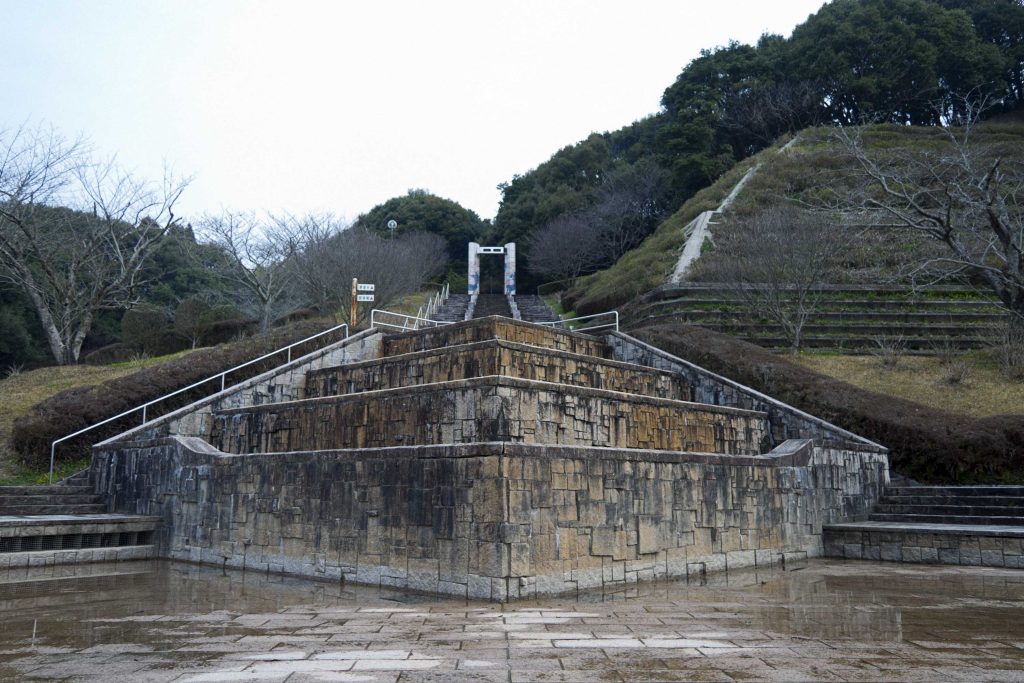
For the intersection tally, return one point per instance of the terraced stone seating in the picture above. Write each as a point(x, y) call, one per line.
point(490, 458)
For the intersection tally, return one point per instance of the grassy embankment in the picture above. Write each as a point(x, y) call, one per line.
point(22, 390)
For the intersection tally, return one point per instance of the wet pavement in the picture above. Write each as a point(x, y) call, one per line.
point(825, 621)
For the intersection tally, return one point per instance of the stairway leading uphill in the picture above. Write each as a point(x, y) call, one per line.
point(67, 523)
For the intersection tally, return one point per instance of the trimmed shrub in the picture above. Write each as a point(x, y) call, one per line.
point(117, 352)
point(77, 408)
point(925, 444)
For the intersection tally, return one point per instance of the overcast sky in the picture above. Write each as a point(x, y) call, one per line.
point(297, 106)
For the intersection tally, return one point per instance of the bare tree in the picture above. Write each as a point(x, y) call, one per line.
point(256, 253)
point(628, 205)
point(331, 256)
point(75, 234)
point(776, 262)
point(965, 192)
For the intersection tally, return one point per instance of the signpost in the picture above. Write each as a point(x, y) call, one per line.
point(357, 297)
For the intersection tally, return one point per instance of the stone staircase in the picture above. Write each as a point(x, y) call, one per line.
point(974, 525)
point(491, 304)
point(534, 309)
point(453, 310)
point(67, 523)
point(490, 458)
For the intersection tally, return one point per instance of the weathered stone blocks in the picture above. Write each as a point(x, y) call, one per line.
point(489, 409)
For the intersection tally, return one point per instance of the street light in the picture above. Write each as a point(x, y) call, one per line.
point(392, 224)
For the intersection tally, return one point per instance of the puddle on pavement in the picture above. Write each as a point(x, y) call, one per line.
point(76, 607)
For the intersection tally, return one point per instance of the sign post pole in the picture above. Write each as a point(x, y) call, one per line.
point(355, 283)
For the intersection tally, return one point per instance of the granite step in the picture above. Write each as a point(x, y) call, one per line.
point(53, 508)
point(957, 491)
point(997, 520)
point(885, 506)
point(49, 499)
point(1002, 501)
point(492, 304)
point(54, 490)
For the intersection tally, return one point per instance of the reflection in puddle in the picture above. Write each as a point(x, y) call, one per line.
point(170, 619)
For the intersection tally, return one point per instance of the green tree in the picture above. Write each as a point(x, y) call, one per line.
point(418, 210)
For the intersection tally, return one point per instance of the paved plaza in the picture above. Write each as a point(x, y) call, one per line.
point(827, 620)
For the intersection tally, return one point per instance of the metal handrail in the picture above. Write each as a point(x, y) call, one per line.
point(568, 321)
point(221, 375)
point(409, 322)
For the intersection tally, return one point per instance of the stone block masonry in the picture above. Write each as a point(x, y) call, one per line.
point(495, 357)
point(494, 521)
point(490, 459)
point(489, 409)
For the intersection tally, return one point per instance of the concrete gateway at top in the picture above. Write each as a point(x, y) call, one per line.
point(475, 251)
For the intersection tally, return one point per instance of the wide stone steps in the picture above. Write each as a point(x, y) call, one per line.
point(534, 309)
point(49, 500)
point(968, 525)
point(453, 309)
point(891, 508)
point(949, 519)
point(55, 508)
point(495, 357)
point(491, 304)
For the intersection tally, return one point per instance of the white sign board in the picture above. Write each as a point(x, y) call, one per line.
point(364, 297)
point(492, 250)
point(365, 288)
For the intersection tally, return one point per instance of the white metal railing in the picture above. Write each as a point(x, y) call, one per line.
point(434, 303)
point(571, 323)
point(221, 376)
point(378, 318)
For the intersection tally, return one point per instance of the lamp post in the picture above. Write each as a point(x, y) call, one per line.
point(392, 224)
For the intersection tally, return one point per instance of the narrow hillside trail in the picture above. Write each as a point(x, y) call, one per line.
point(699, 228)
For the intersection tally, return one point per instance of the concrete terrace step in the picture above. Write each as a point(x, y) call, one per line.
point(50, 499)
point(1015, 520)
point(495, 357)
point(957, 491)
point(55, 508)
point(490, 408)
point(453, 309)
point(491, 304)
point(954, 500)
point(889, 508)
point(533, 308)
point(55, 490)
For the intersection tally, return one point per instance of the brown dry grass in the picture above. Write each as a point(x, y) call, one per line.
point(984, 392)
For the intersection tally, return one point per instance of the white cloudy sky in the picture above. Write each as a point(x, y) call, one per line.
point(303, 105)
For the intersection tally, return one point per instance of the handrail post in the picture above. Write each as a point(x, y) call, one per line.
point(53, 452)
point(143, 413)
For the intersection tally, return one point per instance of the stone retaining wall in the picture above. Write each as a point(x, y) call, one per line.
point(489, 409)
point(786, 421)
point(484, 329)
point(493, 521)
point(495, 357)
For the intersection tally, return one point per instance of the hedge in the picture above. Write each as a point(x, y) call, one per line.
point(74, 409)
point(925, 444)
